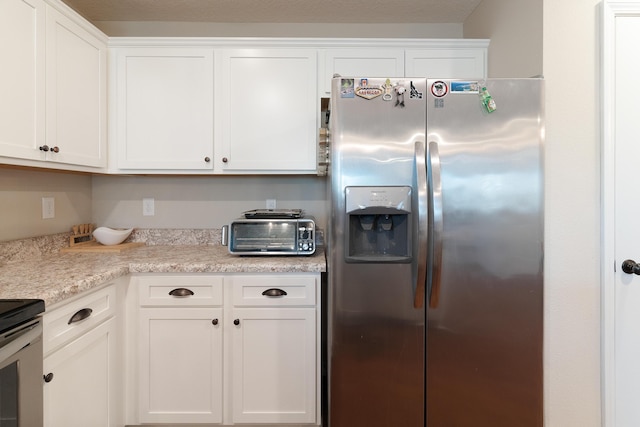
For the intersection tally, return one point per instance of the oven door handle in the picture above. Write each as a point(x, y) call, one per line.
point(20, 339)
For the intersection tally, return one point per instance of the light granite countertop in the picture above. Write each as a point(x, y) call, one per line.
point(58, 276)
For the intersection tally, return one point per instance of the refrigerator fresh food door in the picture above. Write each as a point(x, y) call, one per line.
point(485, 311)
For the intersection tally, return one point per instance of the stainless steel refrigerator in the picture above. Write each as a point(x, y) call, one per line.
point(435, 260)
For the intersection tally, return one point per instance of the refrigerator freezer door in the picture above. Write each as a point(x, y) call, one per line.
point(376, 335)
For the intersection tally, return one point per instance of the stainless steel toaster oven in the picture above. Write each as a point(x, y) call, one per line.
point(271, 236)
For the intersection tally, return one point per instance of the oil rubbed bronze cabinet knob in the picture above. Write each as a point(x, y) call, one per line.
point(236, 322)
point(207, 159)
point(225, 160)
point(215, 322)
point(44, 148)
point(55, 150)
point(48, 378)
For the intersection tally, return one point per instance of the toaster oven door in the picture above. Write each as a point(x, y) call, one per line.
point(263, 237)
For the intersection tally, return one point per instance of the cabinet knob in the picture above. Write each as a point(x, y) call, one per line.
point(214, 322)
point(207, 159)
point(44, 148)
point(48, 378)
point(55, 150)
point(225, 160)
point(236, 322)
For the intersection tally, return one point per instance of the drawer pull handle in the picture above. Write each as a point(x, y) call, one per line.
point(80, 315)
point(181, 292)
point(274, 292)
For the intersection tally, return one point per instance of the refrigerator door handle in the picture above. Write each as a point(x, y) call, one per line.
point(423, 212)
point(435, 222)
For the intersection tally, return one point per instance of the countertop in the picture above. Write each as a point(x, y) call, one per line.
point(56, 277)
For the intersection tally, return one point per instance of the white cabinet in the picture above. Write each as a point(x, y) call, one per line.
point(22, 78)
point(274, 365)
point(82, 362)
point(76, 93)
point(362, 62)
point(78, 394)
point(226, 348)
point(53, 86)
point(163, 117)
point(446, 62)
point(268, 111)
point(180, 348)
point(275, 354)
point(180, 365)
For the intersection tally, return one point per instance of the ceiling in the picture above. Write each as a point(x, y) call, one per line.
point(278, 11)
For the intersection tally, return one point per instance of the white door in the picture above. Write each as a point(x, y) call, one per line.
point(621, 214)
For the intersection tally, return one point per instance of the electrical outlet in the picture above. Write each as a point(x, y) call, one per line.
point(48, 208)
point(148, 206)
point(271, 203)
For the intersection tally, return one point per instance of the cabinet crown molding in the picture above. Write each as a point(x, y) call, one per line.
point(239, 42)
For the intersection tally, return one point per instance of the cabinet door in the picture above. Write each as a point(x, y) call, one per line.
point(22, 78)
point(454, 63)
point(268, 112)
point(164, 108)
point(180, 365)
point(82, 390)
point(76, 93)
point(360, 63)
point(274, 365)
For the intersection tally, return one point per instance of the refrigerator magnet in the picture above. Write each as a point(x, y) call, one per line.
point(346, 88)
point(439, 89)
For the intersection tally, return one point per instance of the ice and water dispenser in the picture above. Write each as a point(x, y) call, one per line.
point(379, 224)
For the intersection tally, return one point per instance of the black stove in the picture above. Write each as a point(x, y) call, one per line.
point(13, 312)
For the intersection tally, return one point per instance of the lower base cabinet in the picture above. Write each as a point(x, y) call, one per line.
point(80, 374)
point(274, 365)
point(180, 365)
point(226, 349)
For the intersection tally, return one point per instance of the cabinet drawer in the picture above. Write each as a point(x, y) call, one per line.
point(71, 320)
point(285, 290)
point(179, 291)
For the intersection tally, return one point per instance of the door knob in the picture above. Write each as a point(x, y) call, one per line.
point(630, 267)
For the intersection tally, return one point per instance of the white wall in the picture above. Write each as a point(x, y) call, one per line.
point(515, 28)
point(21, 193)
point(571, 62)
point(201, 202)
point(572, 212)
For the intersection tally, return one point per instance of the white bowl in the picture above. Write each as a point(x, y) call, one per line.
point(111, 236)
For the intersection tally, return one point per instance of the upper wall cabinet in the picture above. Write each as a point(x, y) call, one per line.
point(268, 111)
point(163, 116)
point(76, 94)
point(446, 62)
point(459, 58)
point(369, 62)
point(52, 86)
point(22, 77)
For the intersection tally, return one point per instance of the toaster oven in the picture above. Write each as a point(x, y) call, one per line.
point(271, 236)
